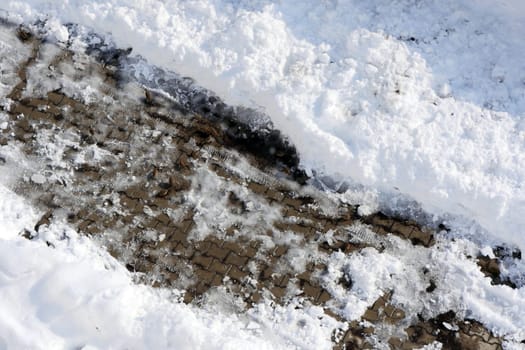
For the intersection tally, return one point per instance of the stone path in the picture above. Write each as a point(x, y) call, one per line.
point(183, 203)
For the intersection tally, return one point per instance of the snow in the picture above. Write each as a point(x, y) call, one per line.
point(461, 286)
point(15, 215)
point(212, 216)
point(420, 99)
point(427, 99)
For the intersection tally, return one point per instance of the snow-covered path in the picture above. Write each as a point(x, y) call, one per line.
point(407, 98)
point(75, 296)
point(426, 99)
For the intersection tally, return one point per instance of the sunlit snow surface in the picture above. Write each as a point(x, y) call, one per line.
point(422, 98)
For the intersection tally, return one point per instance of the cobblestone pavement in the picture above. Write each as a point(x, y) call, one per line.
point(183, 204)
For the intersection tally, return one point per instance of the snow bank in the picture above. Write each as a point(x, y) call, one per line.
point(427, 98)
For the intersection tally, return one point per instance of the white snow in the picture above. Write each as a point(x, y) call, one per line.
point(15, 215)
point(461, 286)
point(212, 216)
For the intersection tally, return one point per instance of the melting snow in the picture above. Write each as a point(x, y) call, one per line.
point(423, 99)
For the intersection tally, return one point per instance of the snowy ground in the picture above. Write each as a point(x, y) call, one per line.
point(62, 291)
point(425, 99)
point(422, 99)
point(76, 296)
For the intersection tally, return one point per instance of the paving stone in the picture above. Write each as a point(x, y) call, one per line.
point(420, 237)
point(201, 260)
point(235, 273)
point(37, 115)
point(178, 235)
point(371, 315)
point(200, 288)
point(278, 292)
point(257, 188)
point(188, 297)
point(137, 193)
point(401, 229)
point(187, 225)
point(283, 281)
point(204, 276)
point(55, 98)
point(218, 252)
point(217, 280)
point(235, 259)
point(170, 260)
point(380, 303)
point(294, 203)
point(393, 315)
point(219, 267)
point(178, 183)
point(324, 297)
point(381, 231)
point(279, 251)
point(266, 272)
point(380, 221)
point(418, 335)
point(187, 251)
point(490, 267)
point(84, 225)
point(202, 246)
point(21, 109)
point(304, 230)
point(256, 297)
point(231, 246)
point(249, 251)
point(275, 195)
point(398, 314)
point(395, 343)
point(311, 291)
point(183, 159)
point(305, 276)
